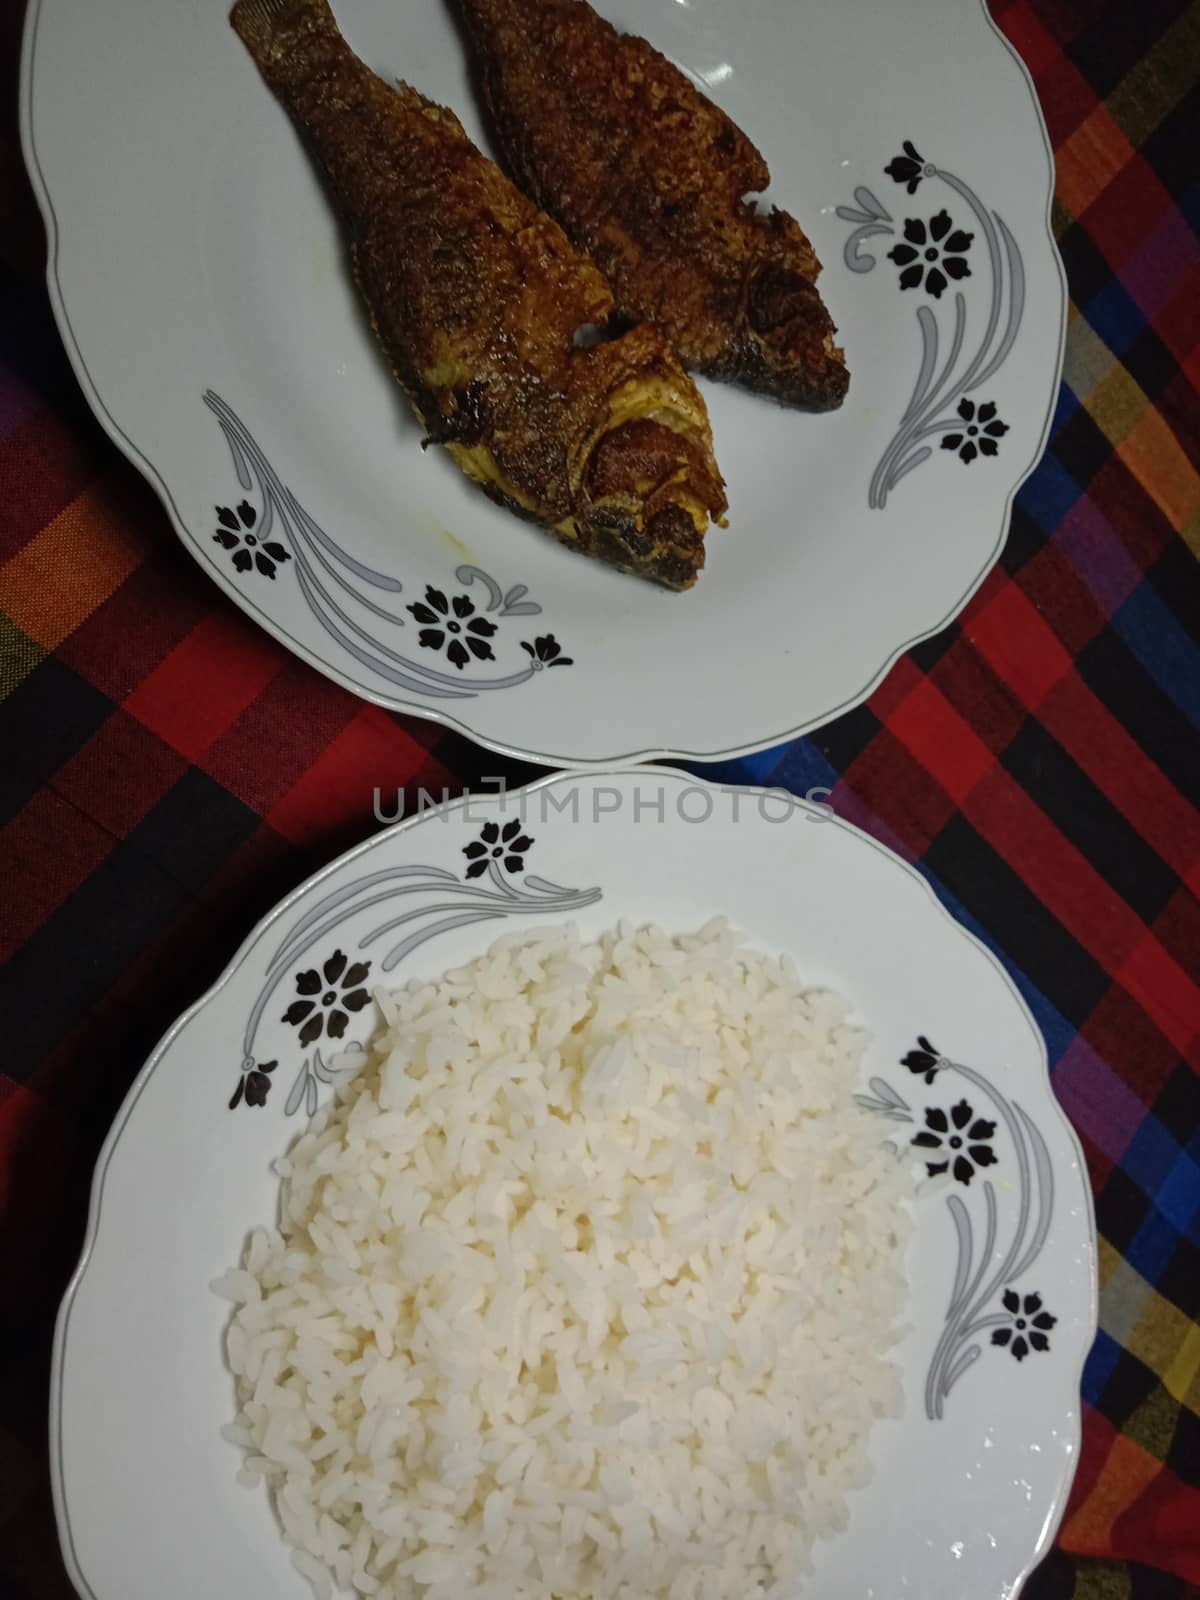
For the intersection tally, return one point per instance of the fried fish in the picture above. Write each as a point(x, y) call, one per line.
point(649, 177)
point(478, 300)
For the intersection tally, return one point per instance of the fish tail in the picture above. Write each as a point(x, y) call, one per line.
point(265, 25)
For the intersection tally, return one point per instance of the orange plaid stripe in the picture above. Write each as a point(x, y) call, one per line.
point(1089, 161)
point(1153, 455)
point(58, 579)
point(1127, 1473)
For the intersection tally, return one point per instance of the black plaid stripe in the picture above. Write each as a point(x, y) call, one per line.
point(1117, 37)
point(79, 952)
point(193, 829)
point(1181, 412)
point(1185, 1446)
point(1176, 580)
point(1116, 677)
point(929, 652)
point(1180, 1283)
point(1150, 364)
point(82, 948)
point(1130, 1384)
point(1025, 538)
point(1032, 938)
point(1175, 1106)
point(1082, 448)
point(1088, 818)
point(1053, 1580)
point(1121, 1208)
point(45, 743)
point(1087, 270)
point(1171, 148)
point(846, 738)
point(1147, 1583)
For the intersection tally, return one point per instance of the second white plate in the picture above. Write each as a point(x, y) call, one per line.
point(968, 1484)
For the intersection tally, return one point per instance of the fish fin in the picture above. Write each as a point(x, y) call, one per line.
point(264, 11)
point(257, 21)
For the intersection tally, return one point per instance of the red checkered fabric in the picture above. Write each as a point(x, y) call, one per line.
point(167, 772)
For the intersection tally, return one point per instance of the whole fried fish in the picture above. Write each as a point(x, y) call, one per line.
point(649, 177)
point(477, 298)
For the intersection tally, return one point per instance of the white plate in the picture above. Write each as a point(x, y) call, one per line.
point(969, 1484)
point(200, 286)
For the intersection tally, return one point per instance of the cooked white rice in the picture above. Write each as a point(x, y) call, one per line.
point(583, 1287)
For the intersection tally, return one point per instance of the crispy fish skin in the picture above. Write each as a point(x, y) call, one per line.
point(477, 296)
point(649, 177)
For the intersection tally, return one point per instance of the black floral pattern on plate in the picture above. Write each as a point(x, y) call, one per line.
point(907, 169)
point(1028, 1327)
point(546, 652)
point(933, 254)
point(236, 533)
point(507, 845)
point(326, 996)
point(452, 625)
point(925, 1060)
point(959, 1138)
point(979, 432)
point(254, 1085)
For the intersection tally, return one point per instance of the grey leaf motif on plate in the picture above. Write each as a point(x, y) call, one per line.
point(416, 904)
point(269, 533)
point(984, 1297)
point(935, 253)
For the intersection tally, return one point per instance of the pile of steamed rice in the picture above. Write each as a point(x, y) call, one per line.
point(583, 1287)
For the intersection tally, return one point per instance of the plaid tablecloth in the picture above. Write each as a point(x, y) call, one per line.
point(167, 772)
